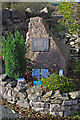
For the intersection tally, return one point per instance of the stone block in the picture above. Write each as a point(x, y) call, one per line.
point(38, 109)
point(75, 94)
point(57, 113)
point(74, 107)
point(23, 103)
point(65, 103)
point(2, 77)
point(38, 104)
point(18, 14)
point(5, 13)
point(74, 102)
point(52, 106)
point(48, 94)
point(67, 113)
point(32, 97)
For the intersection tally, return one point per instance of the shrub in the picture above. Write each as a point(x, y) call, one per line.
point(77, 68)
point(14, 54)
point(55, 82)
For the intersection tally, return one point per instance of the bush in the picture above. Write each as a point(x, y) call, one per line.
point(55, 82)
point(77, 68)
point(14, 53)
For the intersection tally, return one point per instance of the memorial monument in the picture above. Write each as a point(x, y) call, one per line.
point(43, 49)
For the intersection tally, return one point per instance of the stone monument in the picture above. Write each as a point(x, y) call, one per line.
point(43, 49)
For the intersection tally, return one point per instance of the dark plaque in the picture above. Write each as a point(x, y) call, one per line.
point(40, 44)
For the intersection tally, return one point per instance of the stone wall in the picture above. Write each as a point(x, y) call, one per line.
point(37, 98)
point(19, 19)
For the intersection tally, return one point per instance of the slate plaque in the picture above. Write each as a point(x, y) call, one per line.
point(40, 44)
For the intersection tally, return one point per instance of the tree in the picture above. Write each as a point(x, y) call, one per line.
point(70, 12)
point(14, 53)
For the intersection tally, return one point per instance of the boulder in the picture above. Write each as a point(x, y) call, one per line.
point(58, 52)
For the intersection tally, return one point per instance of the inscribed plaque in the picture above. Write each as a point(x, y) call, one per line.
point(40, 44)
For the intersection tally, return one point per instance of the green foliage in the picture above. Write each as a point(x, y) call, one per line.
point(55, 82)
point(77, 68)
point(70, 13)
point(14, 53)
point(75, 114)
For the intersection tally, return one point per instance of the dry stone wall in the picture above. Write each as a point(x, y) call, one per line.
point(38, 99)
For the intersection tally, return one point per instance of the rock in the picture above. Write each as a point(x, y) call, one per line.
point(30, 12)
point(65, 40)
point(46, 99)
point(67, 108)
point(18, 14)
point(5, 13)
point(37, 90)
point(56, 101)
point(57, 113)
point(22, 95)
point(64, 94)
point(48, 94)
point(19, 87)
point(15, 98)
point(9, 93)
point(12, 102)
point(75, 35)
point(74, 107)
point(37, 104)
point(5, 82)
point(44, 10)
point(71, 43)
point(2, 77)
point(74, 102)
point(37, 109)
point(26, 85)
point(57, 92)
point(32, 97)
point(8, 22)
point(23, 103)
point(56, 95)
point(68, 35)
point(58, 51)
point(74, 95)
point(12, 83)
point(15, 93)
point(3, 89)
point(67, 103)
point(67, 113)
point(62, 33)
